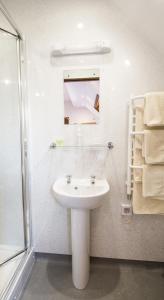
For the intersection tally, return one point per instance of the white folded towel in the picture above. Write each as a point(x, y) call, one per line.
point(154, 109)
point(137, 175)
point(153, 181)
point(139, 125)
point(143, 205)
point(138, 160)
point(154, 146)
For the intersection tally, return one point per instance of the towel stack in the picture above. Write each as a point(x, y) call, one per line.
point(148, 188)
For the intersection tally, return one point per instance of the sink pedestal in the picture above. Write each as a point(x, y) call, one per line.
point(80, 228)
point(81, 196)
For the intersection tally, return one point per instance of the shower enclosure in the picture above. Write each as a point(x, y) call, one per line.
point(13, 157)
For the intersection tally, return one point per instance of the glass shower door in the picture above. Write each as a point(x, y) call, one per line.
point(12, 232)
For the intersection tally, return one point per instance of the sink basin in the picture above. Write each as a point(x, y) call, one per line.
point(81, 196)
point(80, 193)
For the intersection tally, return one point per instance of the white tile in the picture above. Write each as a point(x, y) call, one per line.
point(133, 67)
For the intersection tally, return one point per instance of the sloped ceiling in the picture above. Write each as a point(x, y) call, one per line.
point(5, 24)
point(147, 17)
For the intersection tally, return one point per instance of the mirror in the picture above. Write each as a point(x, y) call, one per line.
point(81, 96)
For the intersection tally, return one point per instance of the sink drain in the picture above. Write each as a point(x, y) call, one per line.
point(76, 188)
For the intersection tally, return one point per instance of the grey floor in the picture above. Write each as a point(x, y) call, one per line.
point(113, 280)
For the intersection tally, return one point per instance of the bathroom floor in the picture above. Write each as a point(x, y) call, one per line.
point(113, 280)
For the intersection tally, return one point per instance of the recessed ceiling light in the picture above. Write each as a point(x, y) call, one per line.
point(127, 62)
point(80, 25)
point(7, 81)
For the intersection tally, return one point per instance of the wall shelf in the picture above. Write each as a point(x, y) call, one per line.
point(101, 47)
point(109, 145)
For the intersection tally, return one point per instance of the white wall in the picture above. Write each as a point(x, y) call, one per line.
point(133, 67)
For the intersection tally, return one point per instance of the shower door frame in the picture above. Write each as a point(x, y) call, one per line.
point(22, 103)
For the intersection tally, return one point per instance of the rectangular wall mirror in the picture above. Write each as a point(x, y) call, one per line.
point(81, 96)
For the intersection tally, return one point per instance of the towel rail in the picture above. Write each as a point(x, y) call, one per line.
point(130, 146)
point(137, 97)
point(136, 167)
point(131, 134)
point(137, 133)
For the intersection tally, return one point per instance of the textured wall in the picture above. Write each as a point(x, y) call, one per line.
point(133, 67)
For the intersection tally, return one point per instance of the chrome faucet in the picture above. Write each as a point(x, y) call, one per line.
point(68, 177)
point(93, 179)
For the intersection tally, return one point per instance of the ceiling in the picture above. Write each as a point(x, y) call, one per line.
point(147, 17)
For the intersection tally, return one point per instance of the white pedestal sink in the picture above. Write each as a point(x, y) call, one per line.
point(80, 195)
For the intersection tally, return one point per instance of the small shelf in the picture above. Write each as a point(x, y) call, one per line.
point(109, 145)
point(101, 47)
